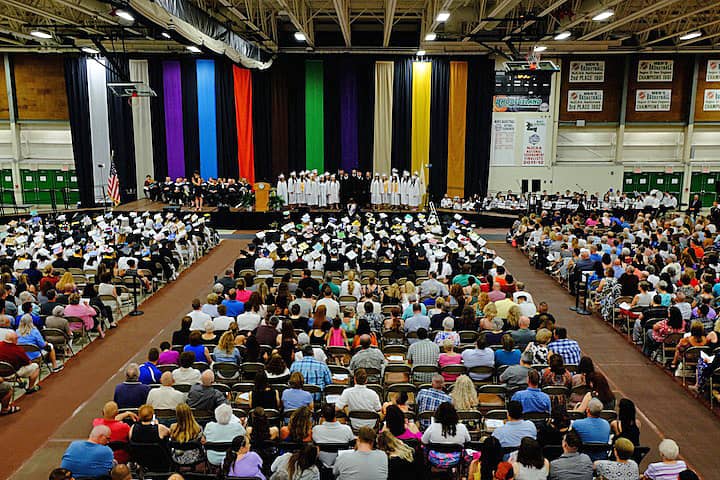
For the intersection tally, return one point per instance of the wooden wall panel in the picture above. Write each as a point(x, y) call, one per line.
point(680, 85)
point(4, 112)
point(702, 85)
point(612, 90)
point(40, 87)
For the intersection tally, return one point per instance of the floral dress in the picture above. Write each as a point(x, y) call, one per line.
point(608, 295)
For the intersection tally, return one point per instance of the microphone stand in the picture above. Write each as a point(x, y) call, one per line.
point(135, 312)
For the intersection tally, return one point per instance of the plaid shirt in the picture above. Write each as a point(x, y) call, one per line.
point(568, 349)
point(313, 371)
point(430, 399)
point(376, 321)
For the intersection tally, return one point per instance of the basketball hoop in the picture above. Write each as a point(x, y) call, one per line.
point(533, 59)
point(131, 99)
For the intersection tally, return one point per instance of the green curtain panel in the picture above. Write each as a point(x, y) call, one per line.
point(314, 119)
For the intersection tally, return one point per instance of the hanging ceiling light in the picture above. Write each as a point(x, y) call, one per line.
point(166, 35)
point(125, 15)
point(44, 34)
point(420, 53)
point(691, 35)
point(563, 35)
point(429, 37)
point(193, 49)
point(300, 37)
point(442, 17)
point(90, 50)
point(539, 48)
point(603, 15)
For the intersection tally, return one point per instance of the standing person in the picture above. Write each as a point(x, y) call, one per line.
point(282, 190)
point(394, 193)
point(333, 189)
point(197, 186)
point(364, 463)
point(292, 190)
point(376, 192)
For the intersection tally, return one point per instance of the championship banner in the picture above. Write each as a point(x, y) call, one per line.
point(711, 100)
point(655, 71)
point(521, 103)
point(712, 73)
point(534, 142)
point(585, 101)
point(587, 72)
point(502, 142)
point(653, 100)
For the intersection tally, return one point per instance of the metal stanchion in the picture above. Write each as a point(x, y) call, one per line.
point(135, 312)
point(579, 308)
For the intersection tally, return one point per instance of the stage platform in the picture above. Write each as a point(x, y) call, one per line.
point(235, 219)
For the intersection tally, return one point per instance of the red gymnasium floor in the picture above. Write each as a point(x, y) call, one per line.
point(35, 439)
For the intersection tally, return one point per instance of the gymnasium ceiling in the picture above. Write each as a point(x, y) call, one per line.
point(380, 26)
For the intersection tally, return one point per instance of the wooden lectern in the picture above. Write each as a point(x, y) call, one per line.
point(262, 196)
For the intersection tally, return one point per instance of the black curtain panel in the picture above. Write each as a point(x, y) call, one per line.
point(157, 119)
point(331, 108)
point(402, 115)
point(481, 83)
point(439, 98)
point(76, 86)
point(279, 111)
point(122, 142)
point(365, 72)
point(225, 120)
point(262, 126)
point(295, 69)
point(191, 130)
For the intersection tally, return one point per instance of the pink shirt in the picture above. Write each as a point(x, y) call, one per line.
point(336, 338)
point(83, 312)
point(445, 359)
point(169, 357)
point(243, 295)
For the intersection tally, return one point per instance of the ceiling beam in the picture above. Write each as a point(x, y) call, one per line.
point(588, 16)
point(433, 13)
point(683, 32)
point(297, 14)
point(547, 11)
point(676, 19)
point(389, 21)
point(628, 18)
point(699, 39)
point(49, 15)
point(343, 18)
point(499, 10)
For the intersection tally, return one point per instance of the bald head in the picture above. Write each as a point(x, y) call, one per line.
point(11, 337)
point(176, 476)
point(120, 472)
point(110, 410)
point(365, 341)
point(438, 382)
point(523, 321)
point(166, 379)
point(207, 378)
point(4, 322)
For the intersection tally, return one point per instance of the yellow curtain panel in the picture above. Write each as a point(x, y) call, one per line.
point(456, 129)
point(421, 83)
point(382, 146)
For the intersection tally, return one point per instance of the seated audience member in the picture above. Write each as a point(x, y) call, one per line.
point(299, 427)
point(532, 399)
point(429, 399)
point(523, 335)
point(539, 348)
point(529, 462)
point(515, 376)
point(359, 397)
point(199, 351)
point(28, 334)
point(490, 464)
point(364, 462)
point(226, 351)
point(131, 393)
point(446, 428)
point(527, 309)
point(120, 472)
point(92, 457)
point(182, 336)
point(669, 467)
point(210, 307)
point(515, 428)
point(295, 397)
point(185, 374)
point(542, 319)
point(572, 465)
point(508, 354)
point(55, 320)
point(300, 465)
point(399, 425)
point(119, 430)
point(330, 431)
point(222, 430)
point(165, 396)
point(313, 371)
point(423, 352)
point(416, 321)
point(449, 357)
point(6, 397)
point(464, 394)
point(447, 333)
point(186, 430)
point(623, 466)
point(48, 307)
point(368, 357)
point(84, 312)
point(480, 356)
point(267, 332)
point(167, 355)
point(593, 429)
point(239, 461)
point(234, 306)
point(222, 321)
point(208, 336)
point(568, 349)
point(146, 429)
point(203, 396)
point(626, 425)
point(197, 316)
point(149, 372)
point(262, 394)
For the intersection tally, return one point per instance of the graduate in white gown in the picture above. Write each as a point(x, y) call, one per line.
point(322, 192)
point(376, 191)
point(414, 192)
point(385, 195)
point(394, 190)
point(423, 188)
point(292, 189)
point(405, 189)
point(300, 189)
point(282, 189)
point(334, 192)
point(311, 189)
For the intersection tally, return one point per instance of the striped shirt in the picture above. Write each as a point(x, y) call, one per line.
point(665, 471)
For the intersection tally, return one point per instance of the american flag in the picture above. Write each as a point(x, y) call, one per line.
point(113, 185)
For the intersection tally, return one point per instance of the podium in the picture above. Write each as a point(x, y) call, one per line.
point(262, 196)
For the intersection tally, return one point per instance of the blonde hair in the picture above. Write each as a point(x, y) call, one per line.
point(351, 276)
point(543, 336)
point(226, 343)
point(410, 288)
point(475, 290)
point(26, 325)
point(448, 345)
point(490, 311)
point(212, 299)
point(483, 300)
point(513, 316)
point(391, 444)
point(464, 396)
point(186, 428)
point(65, 281)
point(393, 291)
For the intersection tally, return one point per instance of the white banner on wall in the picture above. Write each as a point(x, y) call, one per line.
point(502, 142)
point(534, 142)
point(712, 73)
point(655, 71)
point(585, 101)
point(587, 72)
point(653, 100)
point(711, 100)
